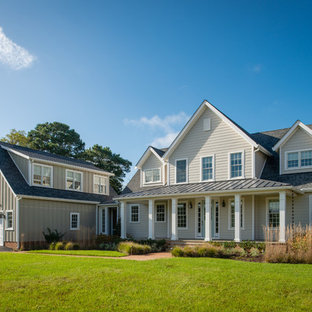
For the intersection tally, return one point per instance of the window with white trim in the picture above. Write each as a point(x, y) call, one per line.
point(182, 215)
point(160, 213)
point(134, 213)
point(100, 184)
point(232, 214)
point(152, 175)
point(73, 180)
point(299, 159)
point(9, 220)
point(207, 168)
point(42, 175)
point(181, 171)
point(74, 220)
point(236, 165)
point(273, 213)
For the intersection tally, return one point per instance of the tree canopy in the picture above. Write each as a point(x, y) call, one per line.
point(58, 138)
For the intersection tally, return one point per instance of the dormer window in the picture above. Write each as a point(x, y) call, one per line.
point(299, 159)
point(152, 175)
point(42, 175)
point(73, 180)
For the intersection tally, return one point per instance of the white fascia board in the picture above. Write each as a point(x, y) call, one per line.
point(146, 155)
point(290, 132)
point(15, 152)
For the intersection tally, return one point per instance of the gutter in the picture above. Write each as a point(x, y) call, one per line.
point(58, 199)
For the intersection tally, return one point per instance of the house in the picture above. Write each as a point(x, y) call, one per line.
point(40, 190)
point(217, 181)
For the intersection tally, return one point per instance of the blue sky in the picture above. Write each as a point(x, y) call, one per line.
point(127, 74)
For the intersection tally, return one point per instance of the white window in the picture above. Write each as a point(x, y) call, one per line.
point(236, 165)
point(152, 175)
point(74, 220)
point(9, 220)
point(160, 213)
point(182, 216)
point(232, 215)
point(181, 170)
point(273, 213)
point(100, 184)
point(206, 124)
point(134, 213)
point(42, 175)
point(299, 159)
point(73, 180)
point(207, 165)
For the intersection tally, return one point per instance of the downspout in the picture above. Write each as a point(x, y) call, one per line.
point(17, 217)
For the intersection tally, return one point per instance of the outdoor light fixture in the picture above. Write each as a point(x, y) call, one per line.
point(223, 203)
point(190, 205)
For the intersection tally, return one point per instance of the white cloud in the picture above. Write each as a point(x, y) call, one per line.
point(14, 55)
point(166, 125)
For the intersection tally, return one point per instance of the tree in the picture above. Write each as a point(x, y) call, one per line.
point(104, 158)
point(57, 138)
point(17, 137)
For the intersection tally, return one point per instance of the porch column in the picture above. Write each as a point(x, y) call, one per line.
point(151, 229)
point(208, 218)
point(174, 230)
point(122, 220)
point(282, 216)
point(253, 217)
point(237, 235)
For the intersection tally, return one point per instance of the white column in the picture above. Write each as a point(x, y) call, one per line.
point(151, 229)
point(252, 217)
point(282, 216)
point(174, 208)
point(107, 221)
point(237, 236)
point(208, 218)
point(123, 219)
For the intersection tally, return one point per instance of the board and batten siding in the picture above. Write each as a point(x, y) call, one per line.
point(37, 215)
point(219, 141)
point(22, 164)
point(59, 178)
point(300, 140)
point(152, 162)
point(8, 202)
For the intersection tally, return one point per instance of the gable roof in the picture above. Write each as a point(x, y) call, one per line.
point(21, 188)
point(50, 158)
point(242, 132)
point(150, 150)
point(290, 132)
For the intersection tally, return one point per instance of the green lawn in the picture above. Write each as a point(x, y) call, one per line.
point(96, 253)
point(37, 282)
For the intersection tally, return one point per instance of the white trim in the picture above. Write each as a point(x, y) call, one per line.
point(152, 182)
point(105, 184)
point(186, 173)
point(194, 118)
point(163, 173)
point(81, 183)
point(33, 171)
point(238, 213)
point(78, 221)
point(151, 216)
point(155, 208)
point(253, 163)
point(208, 235)
point(145, 156)
point(6, 221)
point(230, 228)
point(168, 173)
point(282, 216)
point(17, 223)
point(243, 165)
point(18, 168)
point(174, 212)
point(59, 199)
point(201, 168)
point(186, 212)
point(290, 132)
point(123, 225)
point(15, 152)
point(168, 220)
point(299, 160)
point(130, 215)
point(310, 210)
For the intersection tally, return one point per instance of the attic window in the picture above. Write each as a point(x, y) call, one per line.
point(207, 124)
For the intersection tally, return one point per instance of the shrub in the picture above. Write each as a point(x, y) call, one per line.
point(177, 252)
point(229, 244)
point(52, 236)
point(59, 246)
point(71, 246)
point(156, 245)
point(254, 252)
point(239, 251)
point(108, 246)
point(52, 246)
point(105, 239)
point(276, 253)
point(132, 248)
point(208, 251)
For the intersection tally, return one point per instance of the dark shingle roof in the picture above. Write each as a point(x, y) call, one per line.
point(21, 187)
point(227, 185)
point(50, 157)
point(160, 152)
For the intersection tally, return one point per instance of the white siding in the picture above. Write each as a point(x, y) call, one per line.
point(300, 140)
point(220, 140)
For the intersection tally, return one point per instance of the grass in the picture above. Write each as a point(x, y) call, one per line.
point(37, 282)
point(95, 253)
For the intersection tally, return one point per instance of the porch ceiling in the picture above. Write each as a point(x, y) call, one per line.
point(209, 187)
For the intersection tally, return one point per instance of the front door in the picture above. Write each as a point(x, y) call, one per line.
point(200, 219)
point(1, 231)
